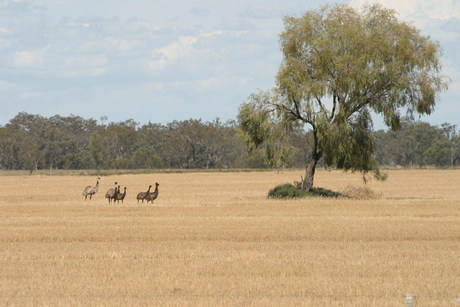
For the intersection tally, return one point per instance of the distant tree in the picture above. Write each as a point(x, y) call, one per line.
point(151, 136)
point(385, 144)
point(121, 139)
point(452, 141)
point(122, 163)
point(219, 143)
point(438, 154)
point(29, 153)
point(76, 131)
point(98, 148)
point(146, 158)
point(52, 139)
point(31, 131)
point(412, 140)
point(340, 65)
point(10, 144)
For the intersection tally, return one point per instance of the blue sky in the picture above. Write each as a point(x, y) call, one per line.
point(161, 61)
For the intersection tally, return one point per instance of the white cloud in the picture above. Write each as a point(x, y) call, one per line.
point(86, 61)
point(4, 31)
point(216, 83)
point(89, 66)
point(441, 9)
point(110, 45)
point(162, 57)
point(183, 51)
point(28, 58)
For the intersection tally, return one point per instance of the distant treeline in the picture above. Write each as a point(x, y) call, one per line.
point(33, 142)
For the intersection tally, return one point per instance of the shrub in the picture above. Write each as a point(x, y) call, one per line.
point(290, 191)
point(323, 193)
point(286, 191)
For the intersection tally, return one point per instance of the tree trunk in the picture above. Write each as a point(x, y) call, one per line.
point(307, 183)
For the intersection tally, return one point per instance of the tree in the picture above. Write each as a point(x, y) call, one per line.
point(453, 141)
point(217, 142)
point(30, 153)
point(146, 158)
point(10, 146)
point(438, 154)
point(340, 65)
point(408, 145)
point(121, 139)
point(98, 148)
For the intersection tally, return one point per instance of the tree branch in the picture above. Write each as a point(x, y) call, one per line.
point(334, 104)
point(296, 113)
point(320, 104)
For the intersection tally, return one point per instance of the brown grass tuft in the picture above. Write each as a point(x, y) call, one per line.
point(363, 193)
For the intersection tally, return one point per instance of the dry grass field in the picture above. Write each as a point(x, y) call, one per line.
point(214, 239)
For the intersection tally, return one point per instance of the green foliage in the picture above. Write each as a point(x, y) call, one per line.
point(439, 154)
point(418, 144)
point(98, 148)
point(146, 158)
point(122, 163)
point(291, 191)
point(286, 191)
point(260, 128)
point(30, 153)
point(254, 126)
point(323, 192)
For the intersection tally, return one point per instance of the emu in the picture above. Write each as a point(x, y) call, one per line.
point(143, 195)
point(112, 193)
point(120, 196)
point(89, 190)
point(152, 196)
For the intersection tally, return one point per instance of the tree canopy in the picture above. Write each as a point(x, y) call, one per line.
point(339, 66)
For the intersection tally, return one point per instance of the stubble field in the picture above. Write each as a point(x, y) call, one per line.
point(214, 239)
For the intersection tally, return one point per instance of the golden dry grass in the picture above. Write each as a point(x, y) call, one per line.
point(214, 239)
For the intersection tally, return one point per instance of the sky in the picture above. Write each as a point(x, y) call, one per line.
point(160, 61)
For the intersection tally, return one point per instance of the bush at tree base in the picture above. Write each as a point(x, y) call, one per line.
point(290, 191)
